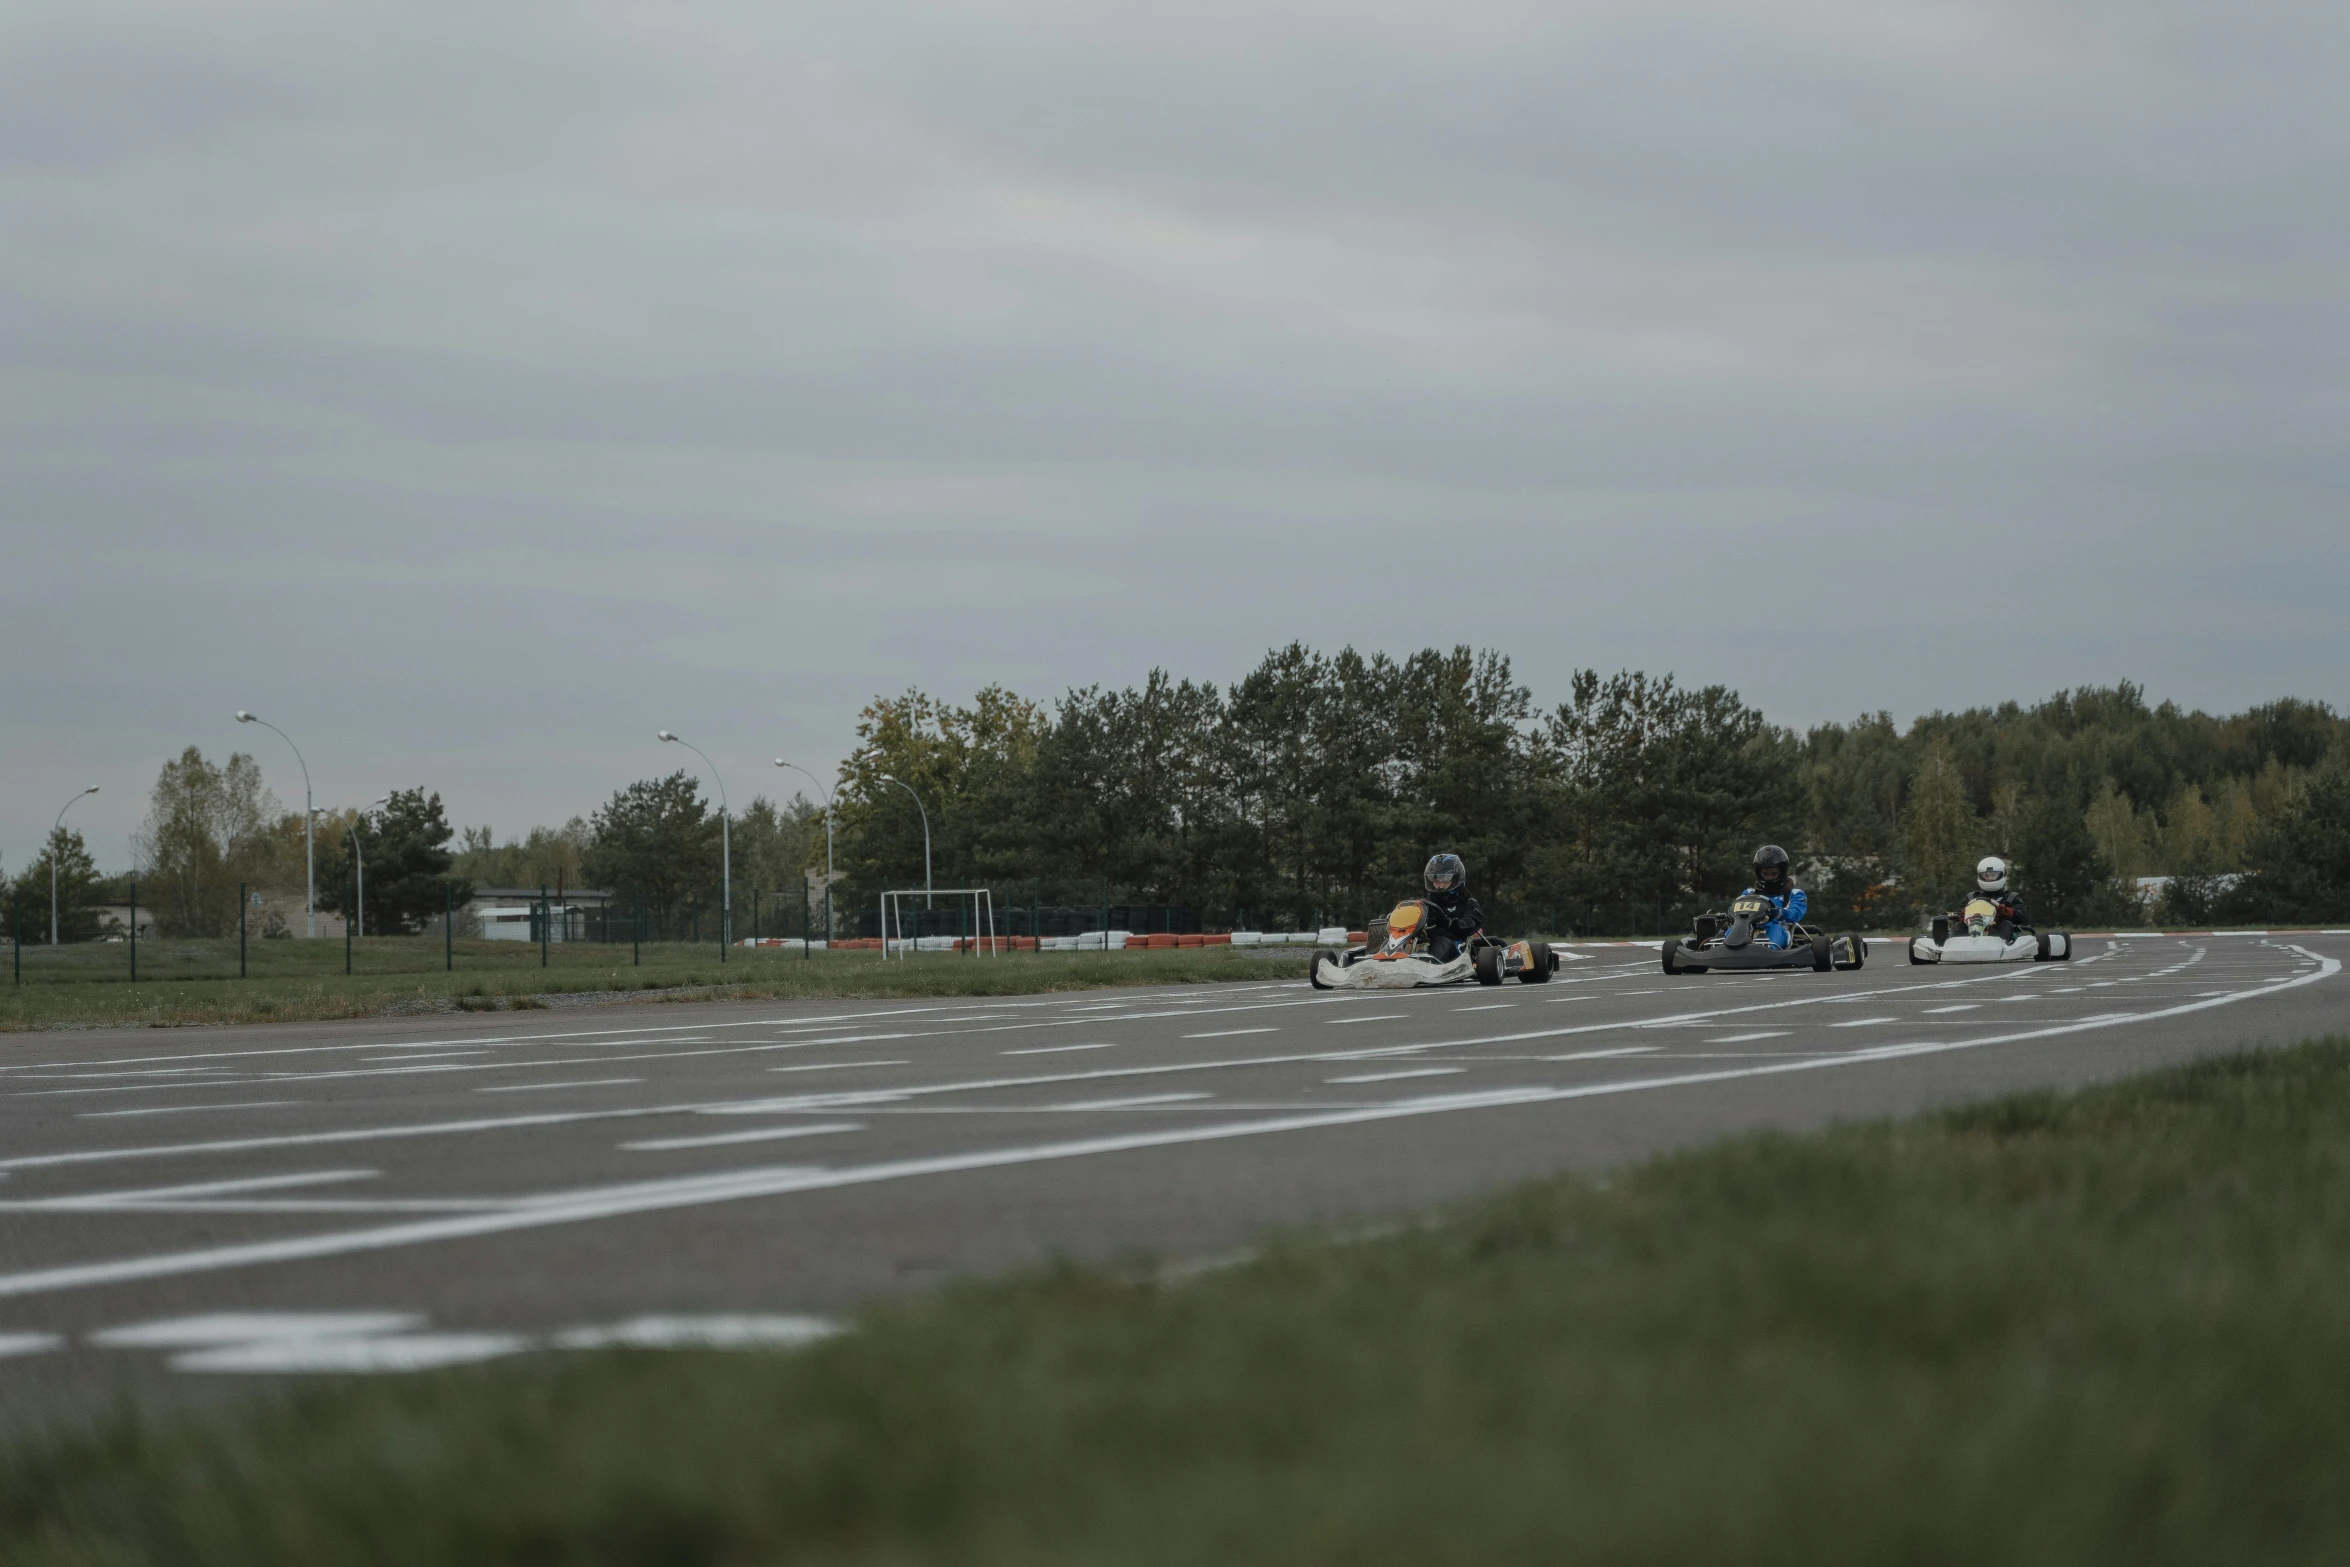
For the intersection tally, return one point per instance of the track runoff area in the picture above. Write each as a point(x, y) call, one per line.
point(177, 1208)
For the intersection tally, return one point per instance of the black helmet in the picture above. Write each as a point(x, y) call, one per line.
point(1770, 867)
point(1446, 878)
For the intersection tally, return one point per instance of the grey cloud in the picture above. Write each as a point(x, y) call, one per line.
point(479, 389)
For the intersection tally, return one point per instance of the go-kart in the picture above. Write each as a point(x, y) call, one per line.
point(1740, 939)
point(1402, 957)
point(1976, 936)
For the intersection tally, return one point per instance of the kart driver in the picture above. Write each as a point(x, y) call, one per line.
point(1991, 884)
point(1772, 881)
point(1458, 919)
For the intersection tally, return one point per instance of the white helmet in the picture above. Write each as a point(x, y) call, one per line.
point(1991, 873)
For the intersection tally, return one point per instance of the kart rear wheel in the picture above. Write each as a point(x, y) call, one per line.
point(1822, 955)
point(1914, 959)
point(1487, 963)
point(1314, 969)
point(1856, 951)
point(1540, 965)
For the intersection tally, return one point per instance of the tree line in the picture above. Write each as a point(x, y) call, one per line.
point(1317, 784)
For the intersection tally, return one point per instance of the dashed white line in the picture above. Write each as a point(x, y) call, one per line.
point(1390, 1077)
point(590, 1082)
point(1232, 1033)
point(763, 1134)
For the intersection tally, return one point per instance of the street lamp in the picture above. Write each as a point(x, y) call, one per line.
point(919, 806)
point(309, 811)
point(57, 831)
point(827, 793)
point(725, 843)
point(359, 899)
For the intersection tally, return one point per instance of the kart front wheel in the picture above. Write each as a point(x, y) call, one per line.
point(1314, 970)
point(1671, 953)
point(1487, 963)
point(1856, 951)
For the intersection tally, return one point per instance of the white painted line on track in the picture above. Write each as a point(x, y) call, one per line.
point(1341, 1022)
point(761, 1134)
point(659, 1196)
point(1130, 1102)
point(528, 1088)
point(836, 1066)
point(1872, 1022)
point(1744, 1039)
point(1963, 1006)
point(1490, 1006)
point(250, 1104)
point(1602, 1055)
point(1232, 1033)
point(1054, 1050)
point(14, 1344)
point(1390, 1077)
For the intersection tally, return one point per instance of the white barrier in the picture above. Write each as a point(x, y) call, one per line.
point(1331, 936)
point(1248, 938)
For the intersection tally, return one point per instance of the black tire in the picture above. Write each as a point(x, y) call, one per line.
point(1314, 970)
point(1672, 954)
point(1941, 930)
point(2044, 953)
point(1911, 947)
point(1856, 951)
point(1540, 965)
point(1487, 964)
point(1823, 955)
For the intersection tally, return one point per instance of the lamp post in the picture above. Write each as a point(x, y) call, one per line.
point(925, 810)
point(56, 831)
point(725, 844)
point(827, 793)
point(359, 899)
point(309, 811)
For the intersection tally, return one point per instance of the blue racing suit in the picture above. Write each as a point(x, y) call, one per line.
point(1792, 906)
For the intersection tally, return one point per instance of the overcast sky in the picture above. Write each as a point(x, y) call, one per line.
point(473, 390)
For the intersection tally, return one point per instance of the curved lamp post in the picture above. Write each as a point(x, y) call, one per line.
point(919, 806)
point(56, 830)
point(827, 793)
point(309, 813)
point(725, 843)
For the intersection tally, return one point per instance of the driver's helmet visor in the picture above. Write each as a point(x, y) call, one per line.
point(1441, 881)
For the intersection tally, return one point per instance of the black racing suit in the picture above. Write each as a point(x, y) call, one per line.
point(2011, 918)
point(1456, 921)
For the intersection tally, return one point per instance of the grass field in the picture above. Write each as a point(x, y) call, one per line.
point(182, 982)
point(2100, 1328)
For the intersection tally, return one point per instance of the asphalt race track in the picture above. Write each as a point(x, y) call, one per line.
point(184, 1211)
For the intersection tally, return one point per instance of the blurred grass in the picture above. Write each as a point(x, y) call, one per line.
point(186, 982)
point(2107, 1327)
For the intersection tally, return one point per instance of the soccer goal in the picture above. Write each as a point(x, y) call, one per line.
point(974, 909)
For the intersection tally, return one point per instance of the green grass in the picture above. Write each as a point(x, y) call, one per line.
point(183, 982)
point(2110, 1327)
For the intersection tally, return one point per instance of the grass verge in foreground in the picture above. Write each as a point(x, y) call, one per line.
point(309, 985)
point(2101, 1328)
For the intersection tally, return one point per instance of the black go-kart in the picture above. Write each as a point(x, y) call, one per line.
point(1740, 939)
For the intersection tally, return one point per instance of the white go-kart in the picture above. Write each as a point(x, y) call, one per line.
point(1974, 938)
point(1398, 958)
